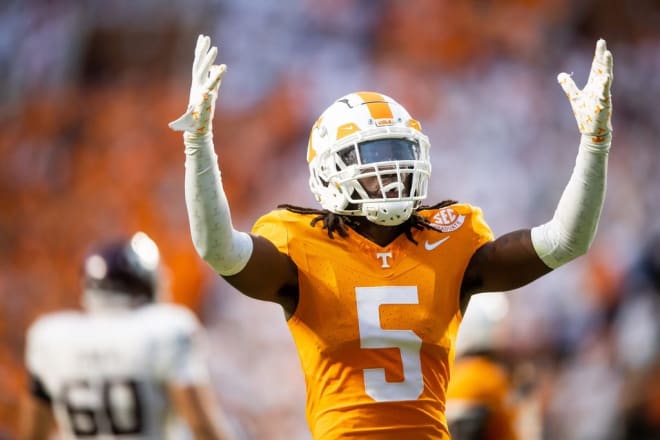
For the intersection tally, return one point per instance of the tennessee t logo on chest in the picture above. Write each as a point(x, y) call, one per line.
point(384, 259)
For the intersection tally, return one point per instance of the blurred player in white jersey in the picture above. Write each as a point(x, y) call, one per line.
point(122, 367)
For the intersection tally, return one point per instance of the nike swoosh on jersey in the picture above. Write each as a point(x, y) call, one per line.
point(430, 246)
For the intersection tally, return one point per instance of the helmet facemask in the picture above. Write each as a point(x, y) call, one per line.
point(381, 173)
point(382, 179)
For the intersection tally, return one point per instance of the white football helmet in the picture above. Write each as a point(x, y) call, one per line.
point(368, 157)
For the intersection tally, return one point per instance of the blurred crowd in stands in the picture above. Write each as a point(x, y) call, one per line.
point(87, 89)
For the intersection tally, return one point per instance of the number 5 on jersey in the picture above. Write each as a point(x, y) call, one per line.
point(373, 335)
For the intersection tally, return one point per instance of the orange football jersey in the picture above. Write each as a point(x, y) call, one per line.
point(375, 326)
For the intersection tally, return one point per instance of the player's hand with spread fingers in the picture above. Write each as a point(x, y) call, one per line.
point(592, 106)
point(226, 249)
point(206, 78)
point(573, 226)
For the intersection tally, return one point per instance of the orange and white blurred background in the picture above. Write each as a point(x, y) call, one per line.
point(87, 89)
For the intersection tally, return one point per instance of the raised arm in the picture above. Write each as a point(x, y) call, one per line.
point(224, 248)
point(520, 257)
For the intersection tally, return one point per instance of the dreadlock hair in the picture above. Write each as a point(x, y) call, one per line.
point(339, 223)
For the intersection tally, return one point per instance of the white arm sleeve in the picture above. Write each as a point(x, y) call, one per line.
point(214, 237)
point(573, 227)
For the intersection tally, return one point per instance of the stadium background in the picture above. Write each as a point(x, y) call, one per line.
point(87, 89)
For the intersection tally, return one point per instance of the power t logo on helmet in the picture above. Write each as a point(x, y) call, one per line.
point(367, 157)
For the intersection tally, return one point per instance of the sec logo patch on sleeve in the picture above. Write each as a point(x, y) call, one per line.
point(448, 220)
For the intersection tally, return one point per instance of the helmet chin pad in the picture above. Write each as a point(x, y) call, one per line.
point(388, 213)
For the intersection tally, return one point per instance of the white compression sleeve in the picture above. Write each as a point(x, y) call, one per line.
point(214, 237)
point(573, 227)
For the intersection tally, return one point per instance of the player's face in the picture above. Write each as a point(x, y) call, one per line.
point(390, 184)
point(384, 154)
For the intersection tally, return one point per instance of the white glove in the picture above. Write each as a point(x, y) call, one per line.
point(206, 78)
point(592, 106)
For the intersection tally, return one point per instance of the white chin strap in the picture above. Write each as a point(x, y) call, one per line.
point(388, 213)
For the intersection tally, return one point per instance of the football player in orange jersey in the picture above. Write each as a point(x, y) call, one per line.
point(374, 285)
